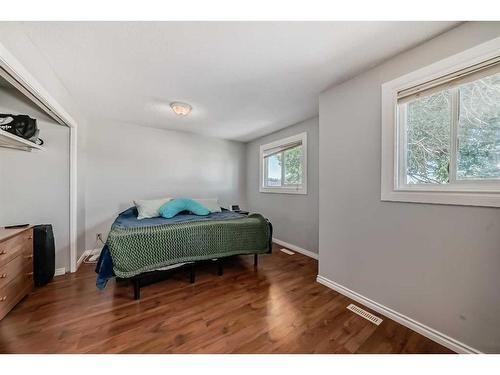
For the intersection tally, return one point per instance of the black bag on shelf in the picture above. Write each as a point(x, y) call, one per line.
point(21, 125)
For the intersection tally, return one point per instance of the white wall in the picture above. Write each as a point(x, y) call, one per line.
point(294, 216)
point(127, 162)
point(168, 163)
point(434, 263)
point(34, 186)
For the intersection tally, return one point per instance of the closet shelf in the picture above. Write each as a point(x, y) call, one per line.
point(9, 140)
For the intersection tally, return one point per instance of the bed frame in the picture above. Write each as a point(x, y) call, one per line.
point(148, 278)
point(151, 277)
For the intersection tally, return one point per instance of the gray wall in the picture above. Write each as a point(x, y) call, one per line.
point(127, 162)
point(34, 186)
point(294, 216)
point(434, 263)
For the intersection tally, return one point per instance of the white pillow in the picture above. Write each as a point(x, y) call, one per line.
point(212, 204)
point(149, 208)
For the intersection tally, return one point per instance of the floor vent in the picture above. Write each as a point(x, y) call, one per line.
point(286, 251)
point(365, 314)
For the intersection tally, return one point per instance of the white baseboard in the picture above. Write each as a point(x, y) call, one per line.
point(424, 330)
point(85, 254)
point(290, 246)
point(60, 271)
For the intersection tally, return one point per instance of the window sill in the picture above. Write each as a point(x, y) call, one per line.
point(280, 190)
point(443, 197)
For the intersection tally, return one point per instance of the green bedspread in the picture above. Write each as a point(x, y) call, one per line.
point(141, 249)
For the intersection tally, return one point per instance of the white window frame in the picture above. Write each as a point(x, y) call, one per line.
point(302, 137)
point(393, 184)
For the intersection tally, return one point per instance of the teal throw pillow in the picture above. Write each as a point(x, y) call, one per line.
point(173, 207)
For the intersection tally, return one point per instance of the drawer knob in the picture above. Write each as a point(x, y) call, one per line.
point(3, 298)
point(29, 257)
point(29, 274)
point(3, 252)
point(3, 276)
point(30, 237)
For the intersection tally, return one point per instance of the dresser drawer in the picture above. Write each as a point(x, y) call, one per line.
point(15, 290)
point(16, 266)
point(15, 246)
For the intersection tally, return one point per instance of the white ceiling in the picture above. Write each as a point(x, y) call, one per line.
point(243, 79)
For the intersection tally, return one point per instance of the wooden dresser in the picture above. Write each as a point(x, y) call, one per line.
point(16, 266)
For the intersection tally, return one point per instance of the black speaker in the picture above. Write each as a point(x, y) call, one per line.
point(44, 257)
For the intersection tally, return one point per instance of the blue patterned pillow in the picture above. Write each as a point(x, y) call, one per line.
point(173, 207)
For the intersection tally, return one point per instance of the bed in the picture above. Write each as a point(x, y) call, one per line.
point(141, 249)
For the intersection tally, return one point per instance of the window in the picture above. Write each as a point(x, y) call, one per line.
point(444, 130)
point(284, 166)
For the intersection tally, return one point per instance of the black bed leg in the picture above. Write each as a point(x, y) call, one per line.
point(255, 260)
point(191, 274)
point(137, 289)
point(220, 267)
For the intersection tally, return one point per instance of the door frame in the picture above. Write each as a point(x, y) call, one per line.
point(17, 75)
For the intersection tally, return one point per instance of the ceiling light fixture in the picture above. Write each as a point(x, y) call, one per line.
point(180, 109)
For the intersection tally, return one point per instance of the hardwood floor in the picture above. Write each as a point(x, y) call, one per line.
point(278, 308)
